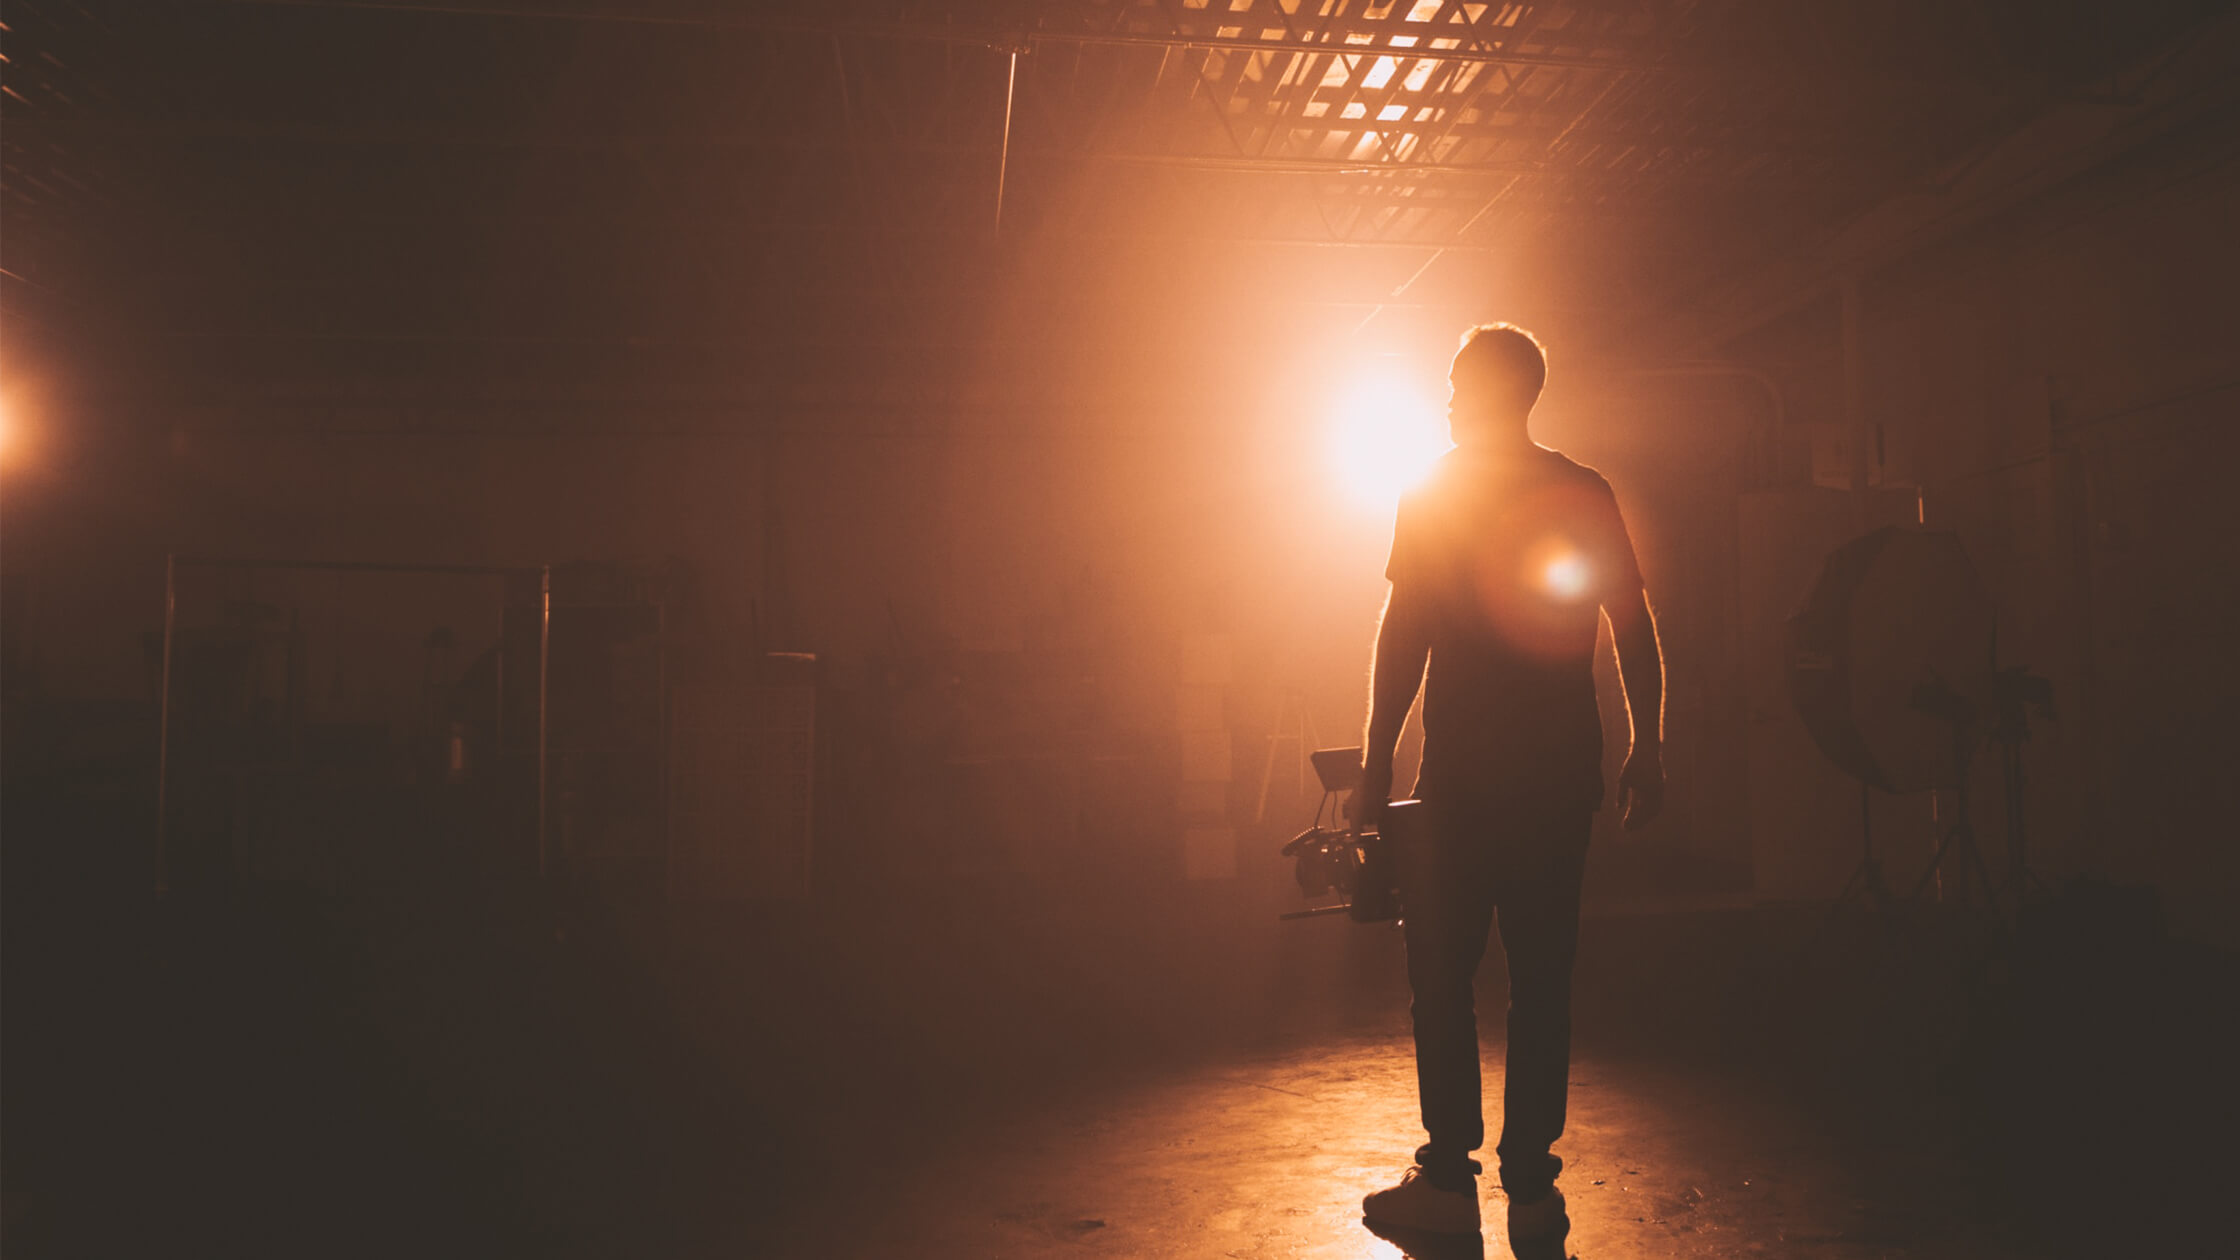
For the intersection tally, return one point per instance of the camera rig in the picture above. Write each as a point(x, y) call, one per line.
point(1334, 858)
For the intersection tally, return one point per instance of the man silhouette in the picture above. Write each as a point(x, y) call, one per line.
point(1502, 562)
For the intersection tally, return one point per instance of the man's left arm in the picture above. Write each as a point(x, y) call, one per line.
point(1633, 630)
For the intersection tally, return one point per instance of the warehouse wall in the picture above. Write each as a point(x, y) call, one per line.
point(2059, 384)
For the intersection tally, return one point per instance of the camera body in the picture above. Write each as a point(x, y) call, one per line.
point(1359, 867)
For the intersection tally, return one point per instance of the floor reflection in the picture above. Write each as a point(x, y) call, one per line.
point(1541, 1249)
point(1417, 1245)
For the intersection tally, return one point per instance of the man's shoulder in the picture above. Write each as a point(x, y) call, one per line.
point(1462, 475)
point(1569, 469)
point(1448, 474)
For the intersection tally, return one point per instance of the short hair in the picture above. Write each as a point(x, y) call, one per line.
point(1509, 352)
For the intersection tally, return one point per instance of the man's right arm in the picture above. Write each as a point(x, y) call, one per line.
point(1396, 674)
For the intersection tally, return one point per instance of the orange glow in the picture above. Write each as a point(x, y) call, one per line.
point(1540, 585)
point(1565, 576)
point(1386, 433)
point(26, 426)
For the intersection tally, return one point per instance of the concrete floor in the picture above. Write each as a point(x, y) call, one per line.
point(1267, 1159)
point(1051, 1070)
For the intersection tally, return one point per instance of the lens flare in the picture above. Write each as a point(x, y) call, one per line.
point(1386, 433)
point(1565, 576)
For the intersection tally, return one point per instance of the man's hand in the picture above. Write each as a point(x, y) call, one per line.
point(1366, 806)
point(1641, 786)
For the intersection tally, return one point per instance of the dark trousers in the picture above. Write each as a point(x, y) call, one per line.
point(1519, 863)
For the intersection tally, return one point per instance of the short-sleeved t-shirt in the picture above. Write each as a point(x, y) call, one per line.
point(1510, 557)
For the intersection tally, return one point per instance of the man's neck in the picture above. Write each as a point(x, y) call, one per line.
point(1499, 433)
point(1509, 444)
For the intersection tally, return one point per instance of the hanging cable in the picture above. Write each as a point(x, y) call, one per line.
point(1003, 154)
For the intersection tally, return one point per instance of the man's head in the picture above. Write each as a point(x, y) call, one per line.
point(1496, 379)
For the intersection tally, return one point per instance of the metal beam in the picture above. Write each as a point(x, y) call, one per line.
point(1312, 43)
point(84, 130)
point(993, 37)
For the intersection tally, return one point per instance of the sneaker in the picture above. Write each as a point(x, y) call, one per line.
point(1419, 1205)
point(1540, 1219)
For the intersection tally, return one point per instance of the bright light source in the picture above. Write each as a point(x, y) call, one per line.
point(1566, 576)
point(1386, 432)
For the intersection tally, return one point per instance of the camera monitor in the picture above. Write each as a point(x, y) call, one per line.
point(1338, 768)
